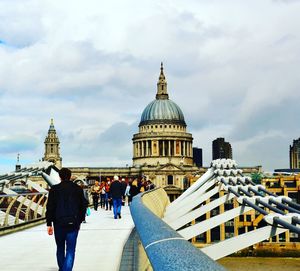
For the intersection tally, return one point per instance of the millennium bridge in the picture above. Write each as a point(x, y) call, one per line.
point(153, 234)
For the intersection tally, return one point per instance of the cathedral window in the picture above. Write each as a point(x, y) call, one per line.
point(149, 148)
point(160, 144)
point(170, 180)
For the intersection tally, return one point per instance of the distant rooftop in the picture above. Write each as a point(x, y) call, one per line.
point(287, 170)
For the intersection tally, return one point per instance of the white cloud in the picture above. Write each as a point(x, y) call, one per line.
point(93, 67)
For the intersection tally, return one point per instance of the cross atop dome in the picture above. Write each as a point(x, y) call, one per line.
point(162, 92)
point(51, 128)
point(161, 76)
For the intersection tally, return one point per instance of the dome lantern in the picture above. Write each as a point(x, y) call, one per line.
point(51, 128)
point(162, 110)
point(162, 92)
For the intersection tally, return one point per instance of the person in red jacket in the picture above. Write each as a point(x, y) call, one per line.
point(108, 200)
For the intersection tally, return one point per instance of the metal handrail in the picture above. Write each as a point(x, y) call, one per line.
point(165, 248)
point(22, 194)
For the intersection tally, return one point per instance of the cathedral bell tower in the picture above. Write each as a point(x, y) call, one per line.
point(52, 147)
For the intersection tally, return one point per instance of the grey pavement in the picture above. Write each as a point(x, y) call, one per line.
point(99, 245)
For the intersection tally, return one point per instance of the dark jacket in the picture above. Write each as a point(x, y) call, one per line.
point(134, 190)
point(65, 200)
point(124, 185)
point(116, 190)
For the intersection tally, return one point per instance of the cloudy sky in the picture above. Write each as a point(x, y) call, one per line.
point(232, 67)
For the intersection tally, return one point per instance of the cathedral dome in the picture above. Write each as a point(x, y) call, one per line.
point(162, 138)
point(162, 111)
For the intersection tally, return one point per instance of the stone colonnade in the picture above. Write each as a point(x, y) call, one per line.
point(150, 148)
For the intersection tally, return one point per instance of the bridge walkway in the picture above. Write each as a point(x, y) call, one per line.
point(99, 245)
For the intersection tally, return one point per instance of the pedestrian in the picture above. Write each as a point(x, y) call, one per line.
point(86, 197)
point(127, 192)
point(95, 191)
point(66, 208)
point(116, 191)
point(134, 190)
point(149, 185)
point(124, 185)
point(142, 185)
point(108, 200)
point(102, 194)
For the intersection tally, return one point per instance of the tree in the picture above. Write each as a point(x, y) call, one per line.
point(256, 177)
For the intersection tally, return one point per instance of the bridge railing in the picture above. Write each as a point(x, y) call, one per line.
point(19, 210)
point(164, 247)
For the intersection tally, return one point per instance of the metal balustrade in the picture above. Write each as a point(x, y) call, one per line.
point(165, 248)
point(222, 183)
point(24, 206)
point(17, 209)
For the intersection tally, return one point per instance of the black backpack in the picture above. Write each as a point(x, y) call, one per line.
point(67, 209)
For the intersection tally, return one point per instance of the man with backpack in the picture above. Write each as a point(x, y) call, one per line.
point(66, 209)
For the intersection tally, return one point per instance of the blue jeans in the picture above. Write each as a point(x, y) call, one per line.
point(66, 243)
point(102, 200)
point(117, 203)
point(107, 201)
